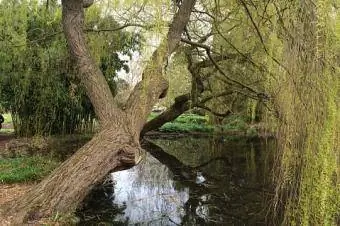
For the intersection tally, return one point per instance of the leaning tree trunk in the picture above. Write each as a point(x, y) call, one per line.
point(116, 146)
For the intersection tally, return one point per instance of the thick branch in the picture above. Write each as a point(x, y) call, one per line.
point(153, 84)
point(182, 103)
point(180, 106)
point(89, 74)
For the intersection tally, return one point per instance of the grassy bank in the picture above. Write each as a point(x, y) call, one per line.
point(187, 123)
point(26, 169)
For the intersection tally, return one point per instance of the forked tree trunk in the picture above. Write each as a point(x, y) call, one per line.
point(116, 146)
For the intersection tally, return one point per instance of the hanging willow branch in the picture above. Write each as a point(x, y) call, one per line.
point(261, 38)
point(208, 51)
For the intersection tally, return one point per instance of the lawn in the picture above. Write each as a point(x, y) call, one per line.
point(197, 123)
point(25, 169)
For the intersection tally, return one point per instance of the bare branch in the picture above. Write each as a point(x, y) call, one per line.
point(254, 24)
point(225, 114)
point(261, 38)
point(117, 28)
point(222, 94)
point(208, 51)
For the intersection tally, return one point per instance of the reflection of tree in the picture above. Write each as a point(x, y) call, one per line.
point(194, 151)
point(226, 198)
point(165, 192)
point(100, 208)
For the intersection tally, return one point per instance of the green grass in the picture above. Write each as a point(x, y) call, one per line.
point(6, 131)
point(24, 169)
point(185, 127)
point(192, 118)
point(196, 123)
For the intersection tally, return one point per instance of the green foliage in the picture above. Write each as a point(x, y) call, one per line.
point(192, 118)
point(197, 123)
point(179, 79)
point(307, 174)
point(24, 169)
point(185, 127)
point(152, 115)
point(36, 76)
point(104, 46)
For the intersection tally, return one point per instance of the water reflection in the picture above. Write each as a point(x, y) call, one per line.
point(149, 193)
point(195, 182)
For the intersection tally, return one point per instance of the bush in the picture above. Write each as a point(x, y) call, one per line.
point(197, 123)
point(192, 118)
point(185, 127)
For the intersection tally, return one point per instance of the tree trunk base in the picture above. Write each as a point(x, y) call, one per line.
point(62, 191)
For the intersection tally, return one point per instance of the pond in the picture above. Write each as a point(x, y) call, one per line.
point(187, 181)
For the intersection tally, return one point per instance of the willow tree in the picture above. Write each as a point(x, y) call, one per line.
point(307, 106)
point(116, 146)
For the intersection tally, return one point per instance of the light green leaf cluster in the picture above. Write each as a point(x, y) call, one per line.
point(307, 175)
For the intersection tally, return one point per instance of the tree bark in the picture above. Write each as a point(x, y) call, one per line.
point(89, 73)
point(180, 106)
point(116, 146)
point(153, 85)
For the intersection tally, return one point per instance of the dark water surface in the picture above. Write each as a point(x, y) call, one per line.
point(196, 181)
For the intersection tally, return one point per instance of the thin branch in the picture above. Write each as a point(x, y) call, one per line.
point(85, 30)
point(261, 38)
point(208, 51)
point(225, 114)
point(117, 28)
point(262, 68)
point(254, 24)
point(236, 49)
point(208, 63)
point(225, 93)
